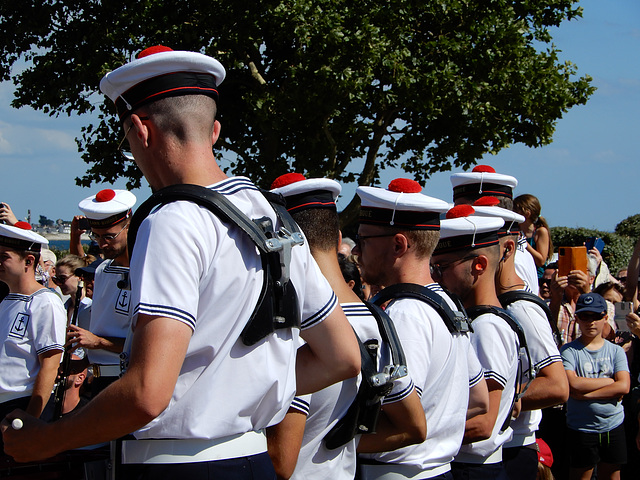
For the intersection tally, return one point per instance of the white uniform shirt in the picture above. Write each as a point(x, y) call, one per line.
point(495, 344)
point(442, 367)
point(543, 351)
point(110, 310)
point(189, 266)
point(526, 266)
point(326, 407)
point(30, 325)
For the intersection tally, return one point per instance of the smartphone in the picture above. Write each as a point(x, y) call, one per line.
point(622, 308)
point(83, 223)
point(596, 242)
point(572, 258)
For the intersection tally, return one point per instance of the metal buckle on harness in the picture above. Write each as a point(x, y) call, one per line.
point(461, 322)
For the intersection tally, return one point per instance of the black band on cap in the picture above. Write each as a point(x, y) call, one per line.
point(401, 218)
point(509, 228)
point(313, 199)
point(488, 190)
point(18, 244)
point(163, 86)
point(466, 242)
point(109, 221)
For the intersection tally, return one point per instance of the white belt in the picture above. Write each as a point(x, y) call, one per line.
point(193, 450)
point(396, 471)
point(105, 370)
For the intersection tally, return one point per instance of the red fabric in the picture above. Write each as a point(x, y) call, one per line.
point(105, 195)
point(460, 211)
point(155, 49)
point(287, 179)
point(486, 202)
point(483, 168)
point(23, 225)
point(404, 185)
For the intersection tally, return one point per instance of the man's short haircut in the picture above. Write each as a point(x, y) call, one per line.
point(321, 227)
point(183, 116)
point(422, 242)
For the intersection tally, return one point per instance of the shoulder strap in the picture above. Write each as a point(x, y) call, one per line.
point(508, 298)
point(523, 350)
point(277, 305)
point(456, 321)
point(362, 416)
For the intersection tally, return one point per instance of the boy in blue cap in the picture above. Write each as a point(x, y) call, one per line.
point(598, 378)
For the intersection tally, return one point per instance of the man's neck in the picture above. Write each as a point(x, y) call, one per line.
point(507, 279)
point(24, 284)
point(483, 293)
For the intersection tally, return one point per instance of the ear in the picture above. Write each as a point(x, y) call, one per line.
point(351, 283)
point(216, 132)
point(339, 238)
point(480, 264)
point(400, 244)
point(30, 260)
point(142, 130)
point(509, 249)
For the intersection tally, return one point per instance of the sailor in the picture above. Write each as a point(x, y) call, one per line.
point(399, 228)
point(549, 385)
point(483, 181)
point(32, 319)
point(109, 213)
point(311, 203)
point(196, 396)
point(465, 262)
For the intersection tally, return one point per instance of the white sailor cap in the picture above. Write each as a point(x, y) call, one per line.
point(21, 237)
point(401, 205)
point(461, 230)
point(484, 181)
point(487, 207)
point(160, 72)
point(302, 194)
point(107, 207)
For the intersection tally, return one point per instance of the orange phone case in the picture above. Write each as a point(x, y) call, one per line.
point(572, 258)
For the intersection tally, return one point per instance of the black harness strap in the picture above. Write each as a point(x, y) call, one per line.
point(523, 350)
point(362, 415)
point(278, 303)
point(508, 298)
point(456, 321)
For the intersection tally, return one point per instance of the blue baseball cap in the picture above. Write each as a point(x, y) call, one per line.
point(591, 302)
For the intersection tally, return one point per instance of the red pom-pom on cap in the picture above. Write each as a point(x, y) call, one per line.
point(486, 202)
point(23, 225)
point(155, 49)
point(287, 179)
point(460, 211)
point(404, 185)
point(483, 169)
point(105, 195)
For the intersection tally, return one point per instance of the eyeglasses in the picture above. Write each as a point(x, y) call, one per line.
point(108, 237)
point(360, 238)
point(125, 153)
point(60, 279)
point(437, 269)
point(544, 281)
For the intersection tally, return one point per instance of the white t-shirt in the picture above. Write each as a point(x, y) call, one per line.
point(110, 310)
point(189, 266)
point(31, 325)
point(327, 406)
point(84, 320)
point(543, 351)
point(442, 367)
point(526, 266)
point(496, 345)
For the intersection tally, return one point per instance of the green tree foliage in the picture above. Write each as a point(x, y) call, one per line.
point(617, 250)
point(629, 227)
point(45, 222)
point(331, 88)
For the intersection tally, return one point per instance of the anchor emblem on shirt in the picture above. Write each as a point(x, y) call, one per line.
point(19, 326)
point(122, 303)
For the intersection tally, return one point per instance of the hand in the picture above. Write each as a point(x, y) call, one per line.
point(29, 444)
point(6, 215)
point(596, 253)
point(558, 284)
point(633, 320)
point(75, 226)
point(517, 408)
point(79, 337)
point(580, 280)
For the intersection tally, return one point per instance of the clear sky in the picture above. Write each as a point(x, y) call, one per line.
point(585, 178)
